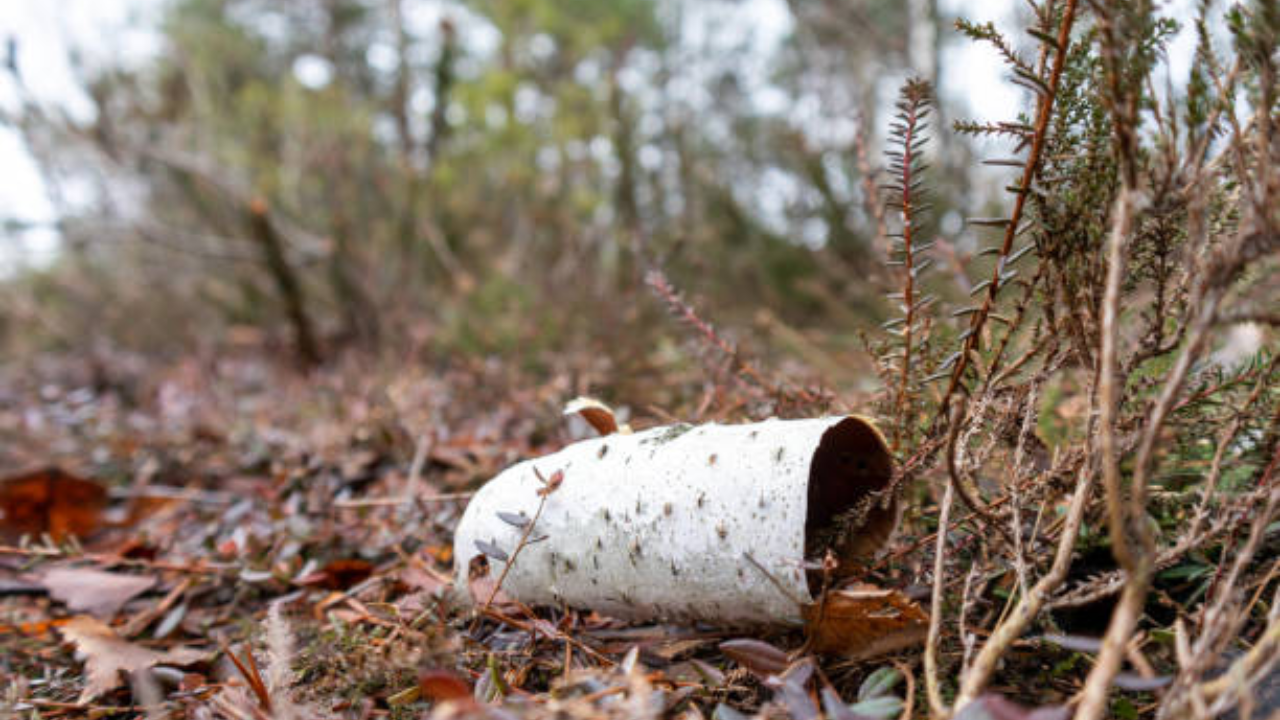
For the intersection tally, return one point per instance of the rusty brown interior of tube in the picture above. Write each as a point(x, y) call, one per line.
point(850, 510)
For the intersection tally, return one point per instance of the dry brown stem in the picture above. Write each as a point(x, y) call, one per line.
point(933, 686)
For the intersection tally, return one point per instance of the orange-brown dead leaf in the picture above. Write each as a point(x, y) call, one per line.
point(34, 628)
point(107, 656)
point(339, 574)
point(441, 553)
point(51, 501)
point(440, 684)
point(864, 621)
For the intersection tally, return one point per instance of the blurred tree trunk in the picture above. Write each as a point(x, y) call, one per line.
point(359, 316)
point(403, 85)
point(360, 320)
point(631, 250)
point(416, 163)
point(407, 220)
point(444, 80)
point(286, 282)
point(438, 133)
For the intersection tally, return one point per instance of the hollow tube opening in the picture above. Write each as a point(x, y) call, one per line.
point(847, 510)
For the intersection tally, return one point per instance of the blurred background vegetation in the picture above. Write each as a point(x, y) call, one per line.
point(488, 177)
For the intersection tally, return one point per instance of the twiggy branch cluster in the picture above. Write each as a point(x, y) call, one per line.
point(1140, 224)
point(782, 395)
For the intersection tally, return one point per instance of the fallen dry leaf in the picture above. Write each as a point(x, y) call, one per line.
point(339, 574)
point(423, 579)
point(865, 621)
point(51, 501)
point(96, 592)
point(107, 656)
point(997, 707)
point(758, 656)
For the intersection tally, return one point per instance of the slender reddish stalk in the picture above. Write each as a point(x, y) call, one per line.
point(908, 265)
point(1044, 111)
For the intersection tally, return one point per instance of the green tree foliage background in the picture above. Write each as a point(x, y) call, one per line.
point(496, 178)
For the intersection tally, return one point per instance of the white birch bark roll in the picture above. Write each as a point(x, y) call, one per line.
point(659, 524)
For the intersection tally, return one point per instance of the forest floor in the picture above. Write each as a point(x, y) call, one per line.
point(235, 537)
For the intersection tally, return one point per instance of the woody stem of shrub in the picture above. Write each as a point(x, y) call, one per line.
point(937, 708)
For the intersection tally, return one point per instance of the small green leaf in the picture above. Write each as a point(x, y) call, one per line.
point(1185, 572)
point(1124, 709)
point(879, 683)
point(883, 708)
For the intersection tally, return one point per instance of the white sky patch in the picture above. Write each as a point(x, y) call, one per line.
point(718, 30)
point(32, 241)
point(974, 72)
point(103, 32)
point(313, 71)
point(382, 57)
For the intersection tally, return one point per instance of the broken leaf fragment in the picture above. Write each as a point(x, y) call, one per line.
point(339, 574)
point(597, 414)
point(108, 657)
